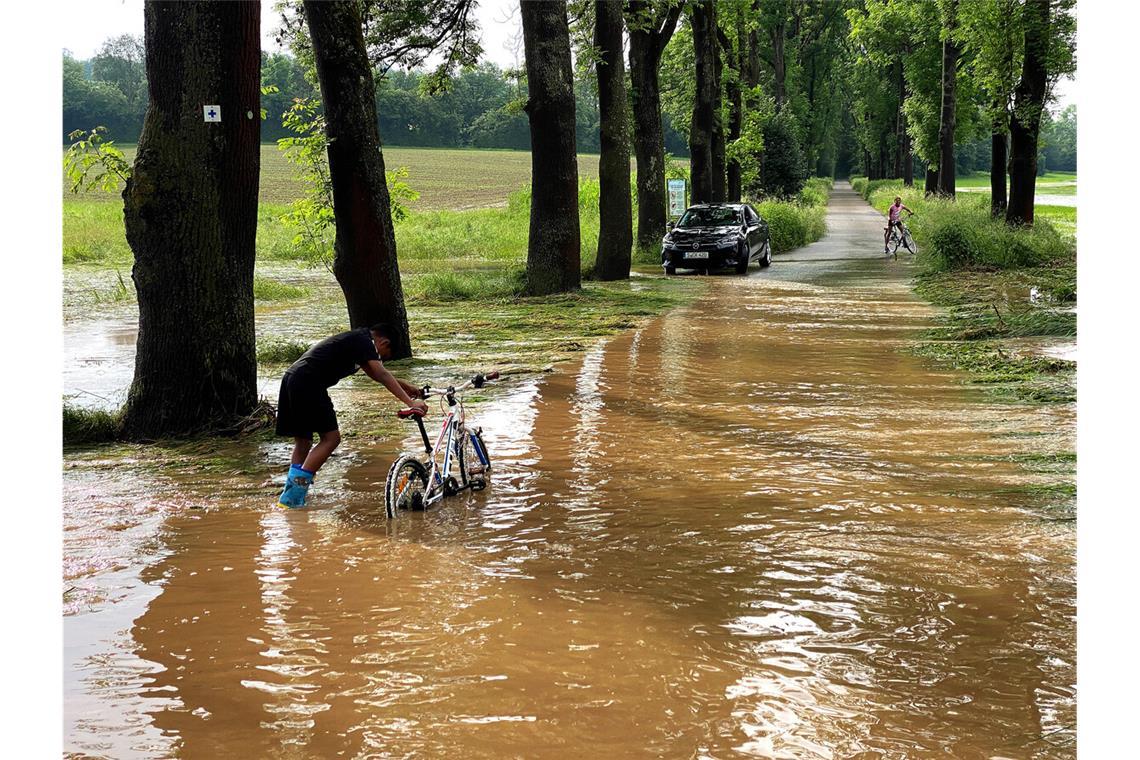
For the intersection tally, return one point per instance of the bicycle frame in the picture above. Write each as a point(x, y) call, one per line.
point(450, 436)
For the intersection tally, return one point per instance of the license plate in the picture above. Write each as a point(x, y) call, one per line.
point(697, 255)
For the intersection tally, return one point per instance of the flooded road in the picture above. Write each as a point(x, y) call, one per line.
point(753, 527)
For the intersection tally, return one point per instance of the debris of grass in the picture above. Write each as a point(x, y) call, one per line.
point(86, 426)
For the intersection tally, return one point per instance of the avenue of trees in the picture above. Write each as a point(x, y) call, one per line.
point(763, 93)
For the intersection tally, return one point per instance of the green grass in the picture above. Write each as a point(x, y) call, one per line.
point(447, 179)
point(265, 289)
point(86, 426)
point(982, 179)
point(278, 350)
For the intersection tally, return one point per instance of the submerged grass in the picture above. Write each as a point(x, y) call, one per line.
point(265, 289)
point(87, 426)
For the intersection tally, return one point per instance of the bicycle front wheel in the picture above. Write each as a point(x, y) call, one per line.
point(406, 487)
point(911, 246)
point(474, 461)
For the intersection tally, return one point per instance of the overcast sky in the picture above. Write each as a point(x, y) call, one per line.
point(87, 24)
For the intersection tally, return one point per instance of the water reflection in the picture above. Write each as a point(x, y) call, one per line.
point(751, 528)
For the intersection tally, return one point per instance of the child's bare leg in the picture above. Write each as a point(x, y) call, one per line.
point(316, 458)
point(301, 448)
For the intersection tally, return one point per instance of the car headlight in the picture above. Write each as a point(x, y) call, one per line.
point(727, 240)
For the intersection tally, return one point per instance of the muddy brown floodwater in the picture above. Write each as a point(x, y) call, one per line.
point(753, 527)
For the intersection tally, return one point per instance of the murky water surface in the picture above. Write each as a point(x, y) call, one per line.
point(750, 528)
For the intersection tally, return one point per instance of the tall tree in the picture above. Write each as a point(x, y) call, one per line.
point(702, 20)
point(736, 58)
point(190, 211)
point(553, 263)
point(615, 235)
point(1025, 120)
point(365, 263)
point(950, 50)
point(651, 25)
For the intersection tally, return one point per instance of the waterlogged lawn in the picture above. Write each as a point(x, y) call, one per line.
point(982, 179)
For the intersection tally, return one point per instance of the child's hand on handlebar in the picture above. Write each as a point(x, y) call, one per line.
point(418, 404)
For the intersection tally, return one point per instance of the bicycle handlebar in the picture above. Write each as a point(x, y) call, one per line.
point(426, 392)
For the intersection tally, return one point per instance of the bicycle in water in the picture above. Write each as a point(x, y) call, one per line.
point(417, 481)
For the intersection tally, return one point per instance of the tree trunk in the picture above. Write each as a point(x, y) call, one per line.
point(720, 183)
point(190, 211)
point(1025, 121)
point(736, 117)
point(704, 116)
point(553, 262)
point(900, 122)
point(779, 66)
point(997, 172)
point(615, 235)
point(908, 158)
point(647, 39)
point(365, 263)
point(949, 98)
point(931, 187)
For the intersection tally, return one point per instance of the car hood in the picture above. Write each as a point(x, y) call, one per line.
point(693, 233)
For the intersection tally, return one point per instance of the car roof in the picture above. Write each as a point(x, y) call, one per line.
point(718, 205)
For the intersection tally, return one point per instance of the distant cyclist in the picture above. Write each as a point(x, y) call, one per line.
point(893, 214)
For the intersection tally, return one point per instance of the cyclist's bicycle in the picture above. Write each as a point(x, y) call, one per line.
point(415, 482)
point(900, 235)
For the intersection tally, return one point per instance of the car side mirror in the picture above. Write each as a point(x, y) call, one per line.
point(670, 224)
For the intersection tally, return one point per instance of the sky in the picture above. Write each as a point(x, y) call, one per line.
point(84, 27)
point(87, 24)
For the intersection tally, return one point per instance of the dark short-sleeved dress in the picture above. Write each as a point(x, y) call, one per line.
point(304, 406)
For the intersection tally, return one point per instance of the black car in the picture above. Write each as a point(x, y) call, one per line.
point(716, 235)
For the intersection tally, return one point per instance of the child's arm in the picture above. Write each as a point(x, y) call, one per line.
point(378, 372)
point(907, 209)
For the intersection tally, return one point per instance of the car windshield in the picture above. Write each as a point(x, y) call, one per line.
point(710, 217)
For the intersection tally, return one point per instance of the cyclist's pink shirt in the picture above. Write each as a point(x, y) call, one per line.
point(893, 212)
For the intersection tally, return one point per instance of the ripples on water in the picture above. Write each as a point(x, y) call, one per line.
point(751, 527)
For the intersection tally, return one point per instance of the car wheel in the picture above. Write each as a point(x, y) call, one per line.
point(742, 260)
point(670, 270)
point(766, 257)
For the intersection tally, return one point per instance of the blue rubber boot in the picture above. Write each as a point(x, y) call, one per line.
point(296, 487)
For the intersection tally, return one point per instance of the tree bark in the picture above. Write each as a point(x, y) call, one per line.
point(365, 263)
point(931, 187)
point(736, 116)
point(704, 116)
point(1025, 121)
point(719, 164)
point(190, 211)
point(946, 123)
point(553, 263)
point(647, 39)
point(615, 235)
point(779, 65)
point(998, 200)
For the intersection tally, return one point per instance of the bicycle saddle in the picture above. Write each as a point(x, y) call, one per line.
point(407, 413)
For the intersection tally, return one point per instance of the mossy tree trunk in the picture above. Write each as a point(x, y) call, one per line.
point(1025, 120)
point(615, 235)
point(701, 159)
point(190, 211)
point(947, 120)
point(365, 262)
point(649, 33)
point(736, 105)
point(998, 157)
point(553, 262)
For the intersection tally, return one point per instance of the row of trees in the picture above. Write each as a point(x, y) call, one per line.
point(764, 90)
point(481, 106)
point(929, 76)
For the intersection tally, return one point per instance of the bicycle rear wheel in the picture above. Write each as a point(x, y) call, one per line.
point(406, 487)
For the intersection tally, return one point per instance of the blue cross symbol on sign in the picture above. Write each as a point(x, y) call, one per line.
point(211, 113)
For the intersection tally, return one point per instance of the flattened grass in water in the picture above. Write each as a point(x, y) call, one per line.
point(265, 289)
point(86, 426)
